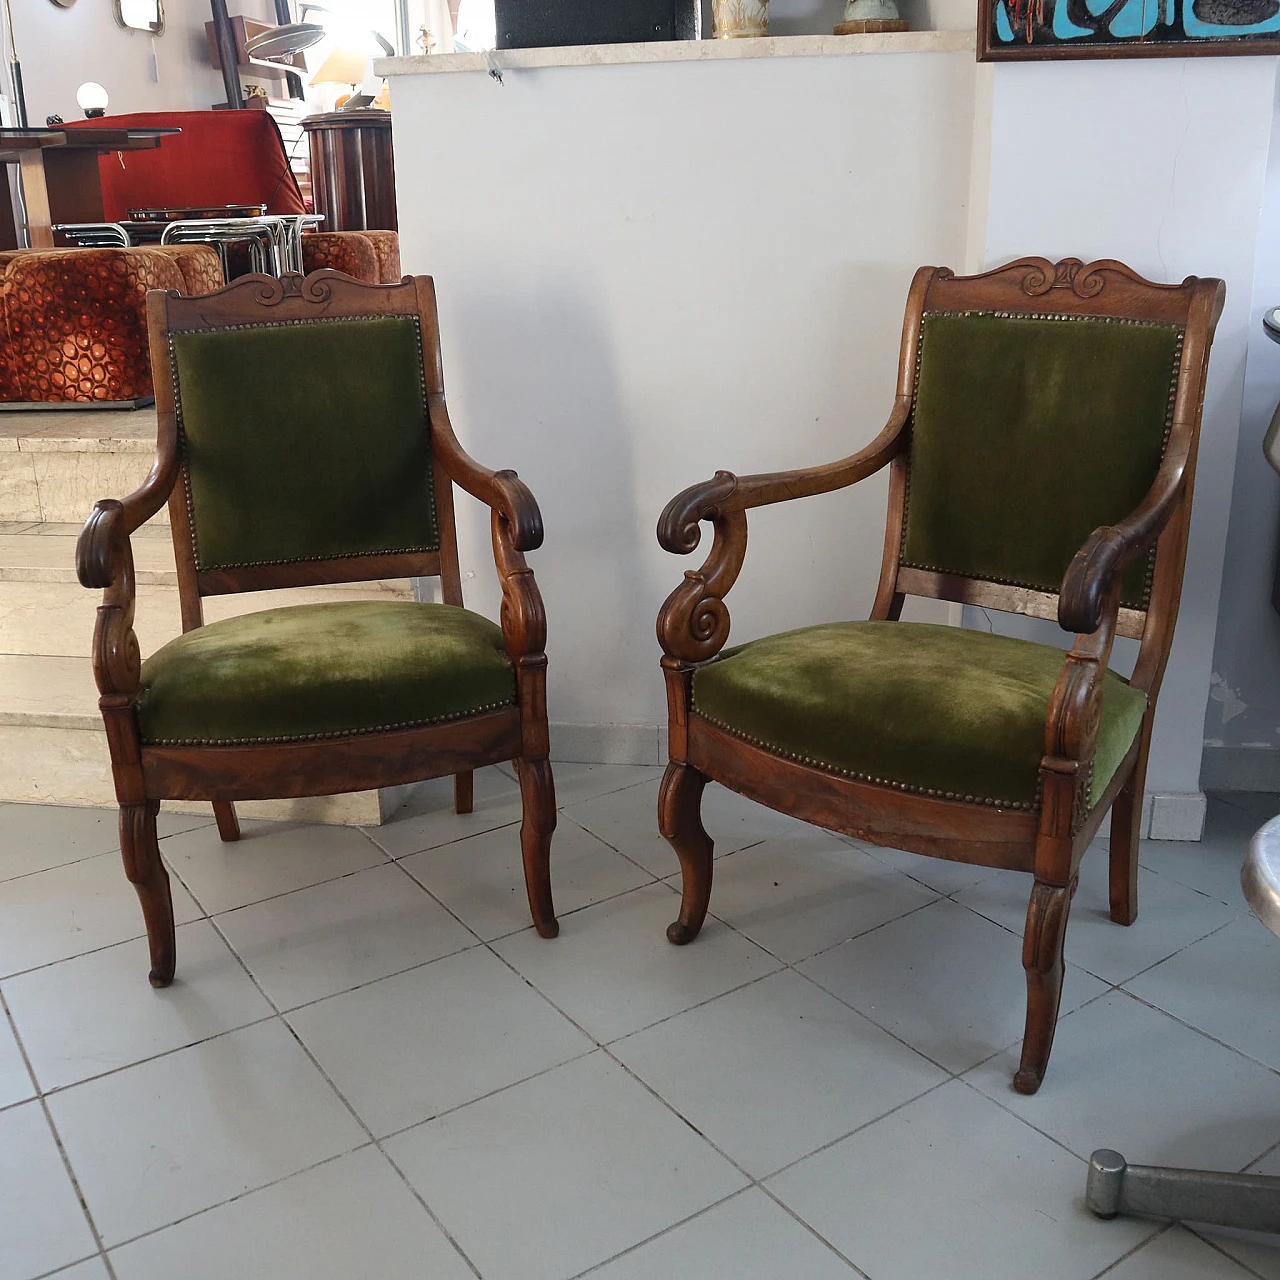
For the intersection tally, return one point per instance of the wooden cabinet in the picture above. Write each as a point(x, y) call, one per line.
point(353, 179)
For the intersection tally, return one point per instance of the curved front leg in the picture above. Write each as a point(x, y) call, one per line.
point(680, 821)
point(538, 797)
point(141, 852)
point(1042, 959)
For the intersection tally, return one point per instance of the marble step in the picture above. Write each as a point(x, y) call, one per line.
point(44, 611)
point(54, 465)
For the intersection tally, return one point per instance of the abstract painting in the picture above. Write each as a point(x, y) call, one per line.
point(1025, 29)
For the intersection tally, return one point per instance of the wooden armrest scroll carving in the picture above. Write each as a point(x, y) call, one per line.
point(693, 625)
point(1087, 593)
point(503, 491)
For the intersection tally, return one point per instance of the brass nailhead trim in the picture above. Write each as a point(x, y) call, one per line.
point(186, 471)
point(319, 737)
point(1149, 573)
point(1028, 806)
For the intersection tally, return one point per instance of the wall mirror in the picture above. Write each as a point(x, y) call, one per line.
point(141, 15)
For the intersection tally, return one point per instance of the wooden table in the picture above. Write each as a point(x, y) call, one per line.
point(60, 179)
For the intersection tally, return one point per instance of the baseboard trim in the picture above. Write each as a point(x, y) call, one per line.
point(643, 744)
point(1227, 768)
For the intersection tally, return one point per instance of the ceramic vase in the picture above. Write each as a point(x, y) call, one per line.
point(732, 19)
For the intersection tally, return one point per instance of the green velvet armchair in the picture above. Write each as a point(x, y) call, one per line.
point(1042, 450)
point(303, 438)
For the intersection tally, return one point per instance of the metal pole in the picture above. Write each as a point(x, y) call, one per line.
point(226, 42)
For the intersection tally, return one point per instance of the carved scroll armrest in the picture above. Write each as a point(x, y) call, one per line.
point(1087, 585)
point(694, 622)
point(104, 560)
point(523, 617)
point(726, 493)
point(503, 491)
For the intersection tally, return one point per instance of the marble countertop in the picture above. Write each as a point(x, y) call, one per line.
point(600, 55)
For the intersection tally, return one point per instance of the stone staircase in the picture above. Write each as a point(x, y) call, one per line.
point(53, 466)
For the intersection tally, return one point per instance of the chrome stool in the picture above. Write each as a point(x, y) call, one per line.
point(1250, 1201)
point(95, 235)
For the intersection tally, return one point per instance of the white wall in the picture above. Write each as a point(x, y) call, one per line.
point(1160, 163)
point(62, 48)
point(649, 272)
point(1242, 727)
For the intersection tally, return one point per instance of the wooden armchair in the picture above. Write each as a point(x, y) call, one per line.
point(1042, 450)
point(303, 439)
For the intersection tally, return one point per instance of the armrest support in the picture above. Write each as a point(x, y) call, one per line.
point(503, 491)
point(104, 560)
point(693, 625)
point(1087, 585)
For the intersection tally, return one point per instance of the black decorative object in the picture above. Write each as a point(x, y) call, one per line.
point(527, 24)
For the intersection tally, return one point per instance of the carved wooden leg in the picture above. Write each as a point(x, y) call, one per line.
point(1126, 831)
point(141, 852)
point(463, 792)
point(1042, 959)
point(538, 798)
point(680, 821)
point(228, 823)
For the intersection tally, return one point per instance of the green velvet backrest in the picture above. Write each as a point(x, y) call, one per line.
point(304, 440)
point(1029, 432)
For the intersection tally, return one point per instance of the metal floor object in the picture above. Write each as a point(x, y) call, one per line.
point(1249, 1201)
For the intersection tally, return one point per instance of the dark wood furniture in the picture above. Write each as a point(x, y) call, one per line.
point(187, 473)
point(353, 173)
point(1047, 832)
point(60, 177)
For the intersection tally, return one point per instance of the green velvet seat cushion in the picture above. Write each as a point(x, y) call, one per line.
point(323, 670)
point(934, 709)
point(1028, 433)
point(305, 441)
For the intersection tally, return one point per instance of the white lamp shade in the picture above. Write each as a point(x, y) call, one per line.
point(91, 96)
point(345, 65)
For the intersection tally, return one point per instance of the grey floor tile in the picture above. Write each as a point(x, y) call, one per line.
point(16, 1084)
point(1170, 916)
point(1225, 985)
point(947, 981)
point(802, 893)
point(613, 971)
point(1131, 1078)
point(938, 873)
point(90, 1269)
point(1177, 1254)
point(584, 1162)
point(407, 1048)
point(330, 937)
point(1257, 1250)
point(481, 880)
point(351, 1217)
point(169, 1137)
point(269, 859)
point(950, 1185)
point(749, 1237)
point(42, 1225)
point(69, 910)
point(776, 1070)
point(95, 1013)
point(427, 820)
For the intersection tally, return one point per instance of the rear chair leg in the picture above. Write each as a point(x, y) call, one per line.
point(228, 824)
point(141, 852)
point(680, 821)
point(463, 792)
point(1042, 959)
point(1126, 832)
point(538, 799)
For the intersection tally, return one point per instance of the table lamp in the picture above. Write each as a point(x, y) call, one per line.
point(345, 65)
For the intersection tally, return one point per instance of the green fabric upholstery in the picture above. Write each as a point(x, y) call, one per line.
point(941, 710)
point(305, 441)
point(1028, 434)
point(323, 670)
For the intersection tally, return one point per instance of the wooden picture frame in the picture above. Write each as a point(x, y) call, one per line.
point(1038, 30)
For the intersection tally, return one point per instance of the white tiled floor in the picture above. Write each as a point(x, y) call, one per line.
point(371, 1066)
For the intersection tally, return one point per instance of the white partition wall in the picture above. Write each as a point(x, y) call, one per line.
point(648, 271)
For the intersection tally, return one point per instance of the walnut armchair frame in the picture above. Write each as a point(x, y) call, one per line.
point(1047, 839)
point(144, 775)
